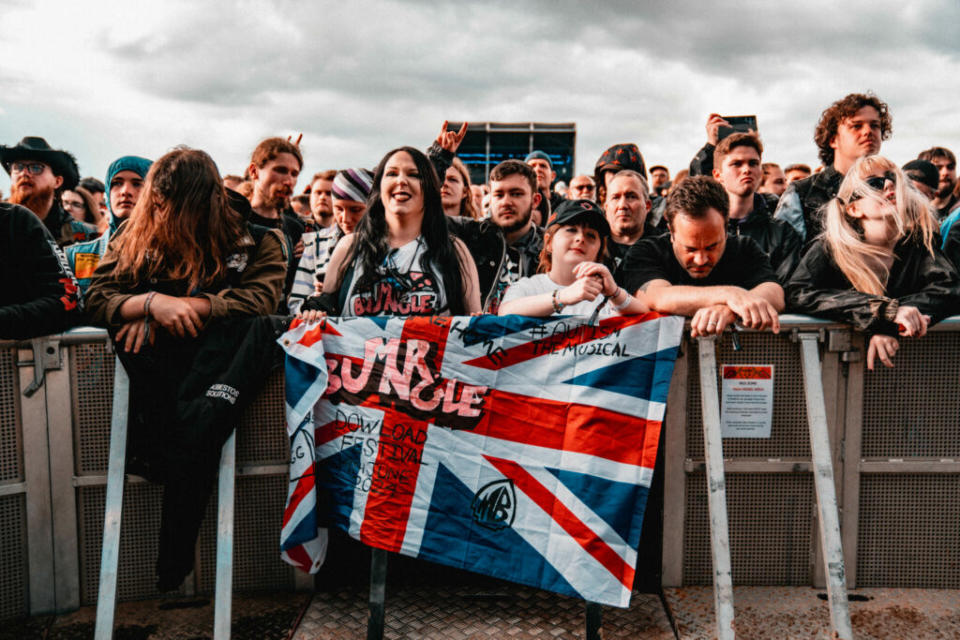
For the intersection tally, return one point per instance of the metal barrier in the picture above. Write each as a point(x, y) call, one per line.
point(895, 448)
point(54, 448)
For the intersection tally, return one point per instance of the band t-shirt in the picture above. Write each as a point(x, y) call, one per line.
point(405, 287)
point(743, 264)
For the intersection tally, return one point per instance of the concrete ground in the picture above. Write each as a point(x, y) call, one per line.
point(494, 609)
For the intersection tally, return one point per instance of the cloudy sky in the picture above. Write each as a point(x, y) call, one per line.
point(104, 79)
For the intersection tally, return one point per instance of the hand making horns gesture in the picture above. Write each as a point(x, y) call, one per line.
point(450, 140)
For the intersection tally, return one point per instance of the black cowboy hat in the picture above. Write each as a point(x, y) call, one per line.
point(61, 162)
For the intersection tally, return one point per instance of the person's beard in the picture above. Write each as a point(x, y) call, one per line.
point(520, 223)
point(944, 192)
point(36, 199)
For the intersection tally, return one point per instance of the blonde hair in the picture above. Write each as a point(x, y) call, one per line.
point(864, 264)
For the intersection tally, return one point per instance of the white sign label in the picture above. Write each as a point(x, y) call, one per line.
point(747, 401)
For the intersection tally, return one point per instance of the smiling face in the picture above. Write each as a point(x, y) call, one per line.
point(857, 136)
point(698, 243)
point(572, 244)
point(125, 188)
point(400, 188)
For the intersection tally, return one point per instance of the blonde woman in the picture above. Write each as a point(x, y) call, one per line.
point(876, 264)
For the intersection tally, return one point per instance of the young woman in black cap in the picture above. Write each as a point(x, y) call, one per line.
point(572, 276)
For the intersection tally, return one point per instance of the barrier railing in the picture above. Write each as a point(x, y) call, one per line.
point(894, 449)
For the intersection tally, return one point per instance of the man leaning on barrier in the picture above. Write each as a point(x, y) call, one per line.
point(699, 270)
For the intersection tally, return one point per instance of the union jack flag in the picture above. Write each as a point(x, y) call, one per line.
point(521, 448)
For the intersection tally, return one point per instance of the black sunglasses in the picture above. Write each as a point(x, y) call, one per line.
point(877, 183)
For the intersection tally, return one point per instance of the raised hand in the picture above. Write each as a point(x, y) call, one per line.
point(714, 122)
point(450, 140)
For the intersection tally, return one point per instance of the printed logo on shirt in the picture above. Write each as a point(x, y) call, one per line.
point(223, 392)
point(390, 296)
point(85, 264)
point(237, 261)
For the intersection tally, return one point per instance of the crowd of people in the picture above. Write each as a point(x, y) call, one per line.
point(162, 251)
point(730, 240)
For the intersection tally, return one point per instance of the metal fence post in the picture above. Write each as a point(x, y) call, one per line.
point(716, 489)
point(594, 621)
point(223, 596)
point(826, 489)
point(378, 592)
point(113, 509)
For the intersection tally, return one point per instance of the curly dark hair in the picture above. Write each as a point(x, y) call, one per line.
point(844, 108)
point(694, 197)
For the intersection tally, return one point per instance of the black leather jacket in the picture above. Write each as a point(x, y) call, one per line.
point(777, 238)
point(488, 247)
point(917, 278)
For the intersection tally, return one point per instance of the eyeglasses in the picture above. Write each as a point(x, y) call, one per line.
point(72, 204)
point(35, 168)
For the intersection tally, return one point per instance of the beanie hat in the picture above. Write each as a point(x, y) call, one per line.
point(138, 165)
point(619, 157)
point(538, 155)
point(353, 184)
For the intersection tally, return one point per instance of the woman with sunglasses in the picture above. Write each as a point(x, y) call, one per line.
point(876, 264)
point(401, 260)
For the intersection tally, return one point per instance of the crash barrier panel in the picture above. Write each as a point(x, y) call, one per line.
point(894, 438)
point(895, 447)
point(67, 425)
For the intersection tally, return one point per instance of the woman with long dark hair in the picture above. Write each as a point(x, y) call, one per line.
point(183, 288)
point(185, 256)
point(401, 260)
point(876, 264)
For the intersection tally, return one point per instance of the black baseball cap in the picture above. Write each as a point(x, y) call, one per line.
point(583, 211)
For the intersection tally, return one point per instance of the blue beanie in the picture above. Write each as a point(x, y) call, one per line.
point(138, 165)
point(538, 155)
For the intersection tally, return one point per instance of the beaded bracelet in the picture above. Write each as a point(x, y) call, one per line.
point(557, 305)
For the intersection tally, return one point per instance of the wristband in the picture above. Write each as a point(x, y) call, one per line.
point(623, 305)
point(557, 305)
point(146, 304)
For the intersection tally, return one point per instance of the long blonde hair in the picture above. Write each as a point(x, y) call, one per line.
point(864, 264)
